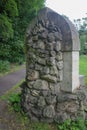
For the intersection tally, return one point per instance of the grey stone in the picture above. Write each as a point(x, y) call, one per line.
point(57, 46)
point(49, 78)
point(51, 37)
point(49, 46)
point(45, 70)
point(41, 61)
point(51, 99)
point(55, 88)
point(54, 71)
point(52, 53)
point(60, 75)
point(35, 93)
point(49, 112)
point(58, 36)
point(59, 56)
point(60, 65)
point(36, 112)
point(61, 117)
point(41, 45)
point(38, 67)
point(35, 38)
point(32, 75)
point(41, 102)
point(40, 84)
point(32, 99)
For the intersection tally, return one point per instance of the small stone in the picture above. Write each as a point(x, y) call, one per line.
point(40, 84)
point(49, 78)
point(44, 34)
point(41, 45)
point(54, 71)
point(41, 102)
point(35, 93)
point(51, 99)
point(32, 99)
point(55, 88)
point(60, 75)
point(57, 46)
point(49, 112)
point(44, 92)
point(58, 36)
point(61, 117)
point(38, 67)
point(49, 46)
point(30, 84)
point(59, 56)
point(41, 61)
point(51, 37)
point(45, 70)
point(36, 112)
point(52, 53)
point(60, 65)
point(35, 38)
point(32, 75)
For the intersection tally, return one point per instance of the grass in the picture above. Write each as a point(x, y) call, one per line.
point(83, 66)
point(20, 121)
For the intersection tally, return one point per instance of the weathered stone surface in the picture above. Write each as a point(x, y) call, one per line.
point(41, 61)
point(57, 46)
point(40, 84)
point(59, 56)
point(51, 37)
point(41, 45)
point(41, 101)
point(61, 117)
point(45, 70)
point(49, 78)
point(32, 75)
point(60, 65)
point(54, 71)
point(49, 112)
point(52, 55)
point(51, 99)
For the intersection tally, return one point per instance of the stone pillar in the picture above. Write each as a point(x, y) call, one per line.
point(52, 69)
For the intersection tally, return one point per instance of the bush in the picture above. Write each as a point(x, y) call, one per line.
point(14, 99)
point(4, 66)
point(6, 30)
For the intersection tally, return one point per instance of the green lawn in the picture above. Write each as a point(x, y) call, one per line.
point(83, 66)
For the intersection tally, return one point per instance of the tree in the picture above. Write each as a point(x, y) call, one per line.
point(15, 15)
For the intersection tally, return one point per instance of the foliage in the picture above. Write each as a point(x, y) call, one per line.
point(11, 8)
point(79, 124)
point(14, 99)
point(15, 15)
point(81, 25)
point(4, 66)
point(83, 66)
point(6, 30)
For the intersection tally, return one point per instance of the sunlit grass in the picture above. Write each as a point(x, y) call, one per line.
point(83, 66)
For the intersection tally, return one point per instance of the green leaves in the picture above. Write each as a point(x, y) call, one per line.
point(6, 30)
point(11, 8)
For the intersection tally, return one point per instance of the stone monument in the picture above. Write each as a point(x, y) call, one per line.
point(51, 91)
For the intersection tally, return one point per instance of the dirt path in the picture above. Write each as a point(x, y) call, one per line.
point(10, 80)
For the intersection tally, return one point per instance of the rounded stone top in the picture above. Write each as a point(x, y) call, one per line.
point(70, 37)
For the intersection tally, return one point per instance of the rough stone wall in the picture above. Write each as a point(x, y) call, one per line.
point(42, 97)
point(44, 68)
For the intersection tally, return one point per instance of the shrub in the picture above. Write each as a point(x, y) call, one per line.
point(14, 99)
point(4, 66)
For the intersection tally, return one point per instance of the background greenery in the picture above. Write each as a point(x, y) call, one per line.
point(15, 15)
